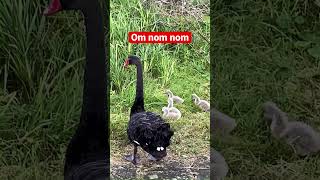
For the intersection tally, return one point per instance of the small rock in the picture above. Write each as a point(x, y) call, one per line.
point(153, 176)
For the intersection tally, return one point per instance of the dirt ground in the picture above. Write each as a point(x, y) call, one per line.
point(173, 167)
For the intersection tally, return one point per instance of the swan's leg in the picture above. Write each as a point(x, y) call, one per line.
point(133, 158)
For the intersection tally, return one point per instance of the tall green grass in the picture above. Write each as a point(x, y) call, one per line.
point(265, 50)
point(41, 84)
point(182, 68)
point(41, 78)
point(160, 62)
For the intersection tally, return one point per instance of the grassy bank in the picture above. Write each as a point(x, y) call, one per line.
point(41, 81)
point(266, 50)
point(184, 69)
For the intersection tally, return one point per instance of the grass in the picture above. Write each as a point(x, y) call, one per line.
point(184, 69)
point(265, 50)
point(41, 81)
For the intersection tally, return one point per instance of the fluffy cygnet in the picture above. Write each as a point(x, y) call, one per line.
point(302, 138)
point(275, 117)
point(202, 104)
point(171, 112)
point(278, 124)
point(269, 110)
point(219, 166)
point(221, 122)
point(176, 99)
point(167, 114)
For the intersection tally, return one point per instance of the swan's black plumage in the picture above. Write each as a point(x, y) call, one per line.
point(146, 129)
point(88, 151)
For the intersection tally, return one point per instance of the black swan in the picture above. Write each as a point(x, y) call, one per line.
point(88, 151)
point(146, 129)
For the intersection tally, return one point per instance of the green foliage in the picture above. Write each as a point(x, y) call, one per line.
point(182, 68)
point(265, 50)
point(41, 78)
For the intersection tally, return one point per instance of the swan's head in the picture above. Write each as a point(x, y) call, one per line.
point(156, 139)
point(59, 5)
point(131, 60)
point(53, 7)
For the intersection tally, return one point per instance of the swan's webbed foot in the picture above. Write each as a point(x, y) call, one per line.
point(131, 158)
point(151, 158)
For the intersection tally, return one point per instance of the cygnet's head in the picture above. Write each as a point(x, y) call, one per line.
point(168, 93)
point(194, 97)
point(269, 110)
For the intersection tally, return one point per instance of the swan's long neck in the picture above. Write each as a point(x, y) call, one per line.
point(95, 85)
point(138, 105)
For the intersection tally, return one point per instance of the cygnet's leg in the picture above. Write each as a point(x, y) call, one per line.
point(133, 158)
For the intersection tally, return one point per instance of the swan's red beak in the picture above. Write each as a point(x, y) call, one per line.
point(54, 7)
point(126, 63)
